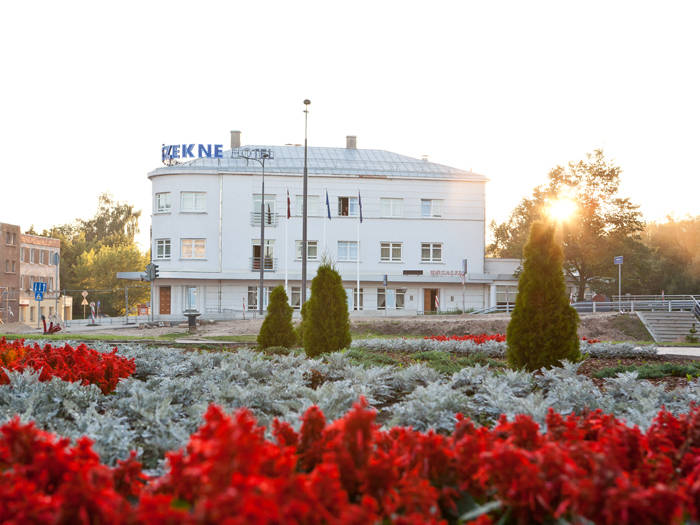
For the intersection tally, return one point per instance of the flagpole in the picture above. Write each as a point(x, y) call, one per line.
point(358, 267)
point(286, 258)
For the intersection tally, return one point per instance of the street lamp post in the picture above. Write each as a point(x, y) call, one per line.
point(304, 212)
point(260, 155)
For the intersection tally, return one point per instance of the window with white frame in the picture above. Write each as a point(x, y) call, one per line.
point(269, 256)
point(348, 207)
point(296, 297)
point(190, 298)
point(253, 297)
point(32, 256)
point(43, 257)
point(162, 204)
point(311, 250)
point(390, 251)
point(391, 299)
point(431, 252)
point(313, 205)
point(14, 270)
point(193, 201)
point(358, 301)
point(163, 249)
point(392, 207)
point(431, 208)
point(193, 248)
point(270, 208)
point(347, 250)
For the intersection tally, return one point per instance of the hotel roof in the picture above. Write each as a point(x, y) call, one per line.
point(289, 160)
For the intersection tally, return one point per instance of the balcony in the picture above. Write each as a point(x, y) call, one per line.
point(271, 219)
point(270, 264)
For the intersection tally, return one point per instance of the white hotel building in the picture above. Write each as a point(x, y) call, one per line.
point(421, 220)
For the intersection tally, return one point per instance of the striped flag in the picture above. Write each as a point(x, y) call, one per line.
point(269, 214)
point(328, 205)
point(437, 302)
point(289, 206)
point(359, 203)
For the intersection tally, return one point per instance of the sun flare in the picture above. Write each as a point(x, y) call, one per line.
point(561, 209)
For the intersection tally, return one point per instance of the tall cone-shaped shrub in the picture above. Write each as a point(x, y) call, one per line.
point(277, 328)
point(542, 330)
point(326, 322)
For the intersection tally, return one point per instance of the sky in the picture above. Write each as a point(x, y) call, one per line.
point(90, 90)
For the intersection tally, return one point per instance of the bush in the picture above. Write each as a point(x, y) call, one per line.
point(277, 328)
point(542, 329)
point(326, 322)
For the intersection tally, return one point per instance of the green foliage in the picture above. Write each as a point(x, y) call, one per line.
point(542, 329)
point(604, 224)
point(369, 359)
point(653, 371)
point(326, 322)
point(277, 329)
point(94, 250)
point(692, 336)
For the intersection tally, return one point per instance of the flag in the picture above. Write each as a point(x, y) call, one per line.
point(289, 206)
point(328, 205)
point(437, 302)
point(359, 203)
point(269, 214)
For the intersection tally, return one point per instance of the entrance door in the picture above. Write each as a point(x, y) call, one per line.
point(164, 300)
point(429, 296)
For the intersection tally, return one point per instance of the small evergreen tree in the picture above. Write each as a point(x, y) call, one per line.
point(326, 322)
point(277, 328)
point(543, 327)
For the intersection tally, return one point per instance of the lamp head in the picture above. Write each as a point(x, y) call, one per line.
point(307, 102)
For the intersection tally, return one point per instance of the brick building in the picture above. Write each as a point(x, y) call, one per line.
point(9, 272)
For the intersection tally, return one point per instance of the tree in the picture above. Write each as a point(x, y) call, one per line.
point(602, 222)
point(543, 327)
point(277, 328)
point(83, 266)
point(326, 322)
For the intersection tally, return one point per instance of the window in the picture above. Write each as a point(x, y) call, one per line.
point(163, 202)
point(193, 248)
point(269, 254)
point(313, 205)
point(506, 294)
point(270, 214)
point(50, 285)
point(389, 299)
point(347, 207)
point(356, 302)
point(311, 250)
point(296, 297)
point(21, 255)
point(430, 208)
point(13, 267)
point(43, 257)
point(190, 297)
point(193, 201)
point(163, 248)
point(253, 297)
point(392, 207)
point(347, 250)
point(32, 257)
point(431, 252)
point(390, 252)
point(10, 238)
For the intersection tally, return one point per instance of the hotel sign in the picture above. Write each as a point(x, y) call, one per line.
point(172, 152)
point(446, 273)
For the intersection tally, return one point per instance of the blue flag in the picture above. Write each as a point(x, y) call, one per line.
point(359, 203)
point(328, 205)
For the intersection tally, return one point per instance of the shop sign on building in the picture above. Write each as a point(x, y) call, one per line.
point(191, 151)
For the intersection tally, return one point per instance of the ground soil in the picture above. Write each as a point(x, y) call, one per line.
point(603, 326)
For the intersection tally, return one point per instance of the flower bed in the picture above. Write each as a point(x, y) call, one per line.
point(157, 408)
point(591, 467)
point(476, 338)
point(495, 347)
point(81, 364)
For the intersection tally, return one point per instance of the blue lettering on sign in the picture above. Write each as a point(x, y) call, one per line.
point(184, 151)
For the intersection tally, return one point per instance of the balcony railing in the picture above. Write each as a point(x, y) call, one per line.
point(270, 264)
point(271, 218)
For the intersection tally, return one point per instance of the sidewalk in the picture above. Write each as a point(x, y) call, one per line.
point(688, 352)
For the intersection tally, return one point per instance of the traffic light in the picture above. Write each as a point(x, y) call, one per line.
point(155, 271)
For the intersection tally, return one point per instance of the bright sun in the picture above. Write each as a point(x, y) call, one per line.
point(561, 209)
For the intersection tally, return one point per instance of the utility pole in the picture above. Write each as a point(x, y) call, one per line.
point(304, 213)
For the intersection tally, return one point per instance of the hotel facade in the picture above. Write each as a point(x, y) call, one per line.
point(422, 225)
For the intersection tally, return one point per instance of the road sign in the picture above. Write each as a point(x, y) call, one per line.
point(84, 303)
point(618, 259)
point(84, 293)
point(38, 296)
point(38, 287)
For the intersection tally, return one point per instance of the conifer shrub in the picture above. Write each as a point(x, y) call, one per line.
point(542, 329)
point(326, 322)
point(277, 328)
